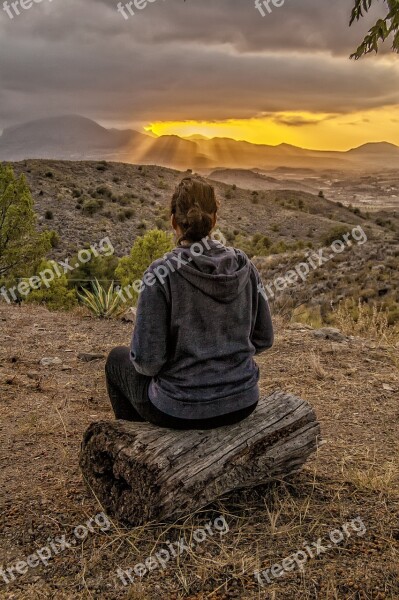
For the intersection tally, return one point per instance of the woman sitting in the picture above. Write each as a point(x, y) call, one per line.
point(202, 315)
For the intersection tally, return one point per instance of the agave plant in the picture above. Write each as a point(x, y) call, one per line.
point(101, 302)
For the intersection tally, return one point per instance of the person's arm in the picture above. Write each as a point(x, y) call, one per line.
point(262, 336)
point(148, 349)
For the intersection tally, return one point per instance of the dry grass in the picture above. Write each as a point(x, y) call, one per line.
point(353, 474)
point(365, 321)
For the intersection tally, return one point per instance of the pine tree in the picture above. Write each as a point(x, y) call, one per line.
point(21, 245)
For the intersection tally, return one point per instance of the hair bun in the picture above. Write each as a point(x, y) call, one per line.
point(195, 215)
point(194, 205)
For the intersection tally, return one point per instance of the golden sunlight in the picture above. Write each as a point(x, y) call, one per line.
point(308, 130)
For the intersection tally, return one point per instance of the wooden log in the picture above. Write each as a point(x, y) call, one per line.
point(144, 473)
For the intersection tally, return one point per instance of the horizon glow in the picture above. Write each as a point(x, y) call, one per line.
point(314, 131)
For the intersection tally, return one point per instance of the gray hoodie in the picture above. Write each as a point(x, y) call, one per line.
point(202, 316)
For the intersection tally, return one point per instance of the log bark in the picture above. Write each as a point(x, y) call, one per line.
point(143, 473)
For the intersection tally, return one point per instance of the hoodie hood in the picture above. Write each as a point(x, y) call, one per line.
point(219, 272)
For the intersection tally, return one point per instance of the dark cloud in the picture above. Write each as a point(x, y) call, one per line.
point(297, 121)
point(198, 59)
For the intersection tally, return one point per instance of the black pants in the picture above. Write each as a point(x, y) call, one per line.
point(128, 392)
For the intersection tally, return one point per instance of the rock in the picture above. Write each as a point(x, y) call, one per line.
point(48, 361)
point(387, 387)
point(130, 315)
point(85, 357)
point(330, 333)
point(300, 327)
point(33, 375)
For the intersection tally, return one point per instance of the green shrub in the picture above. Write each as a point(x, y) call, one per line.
point(160, 223)
point(279, 248)
point(100, 267)
point(90, 207)
point(129, 213)
point(153, 245)
point(334, 234)
point(58, 296)
point(49, 215)
point(54, 239)
point(123, 200)
point(254, 197)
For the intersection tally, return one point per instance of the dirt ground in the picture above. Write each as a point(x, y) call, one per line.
point(354, 387)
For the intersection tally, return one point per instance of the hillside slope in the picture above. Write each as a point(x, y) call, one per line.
point(64, 188)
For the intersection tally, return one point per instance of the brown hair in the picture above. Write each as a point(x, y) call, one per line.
point(193, 204)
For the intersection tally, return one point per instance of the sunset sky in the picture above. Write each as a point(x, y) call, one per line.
point(210, 67)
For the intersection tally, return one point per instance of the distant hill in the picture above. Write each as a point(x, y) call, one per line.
point(252, 180)
point(78, 138)
point(375, 148)
point(67, 137)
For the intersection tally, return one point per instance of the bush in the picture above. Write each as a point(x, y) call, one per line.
point(229, 235)
point(54, 239)
point(153, 245)
point(261, 245)
point(49, 215)
point(334, 234)
point(279, 248)
point(129, 213)
point(122, 200)
point(101, 268)
point(58, 296)
point(255, 198)
point(160, 223)
point(104, 191)
point(365, 321)
point(90, 207)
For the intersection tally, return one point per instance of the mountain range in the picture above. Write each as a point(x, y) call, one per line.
point(74, 137)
